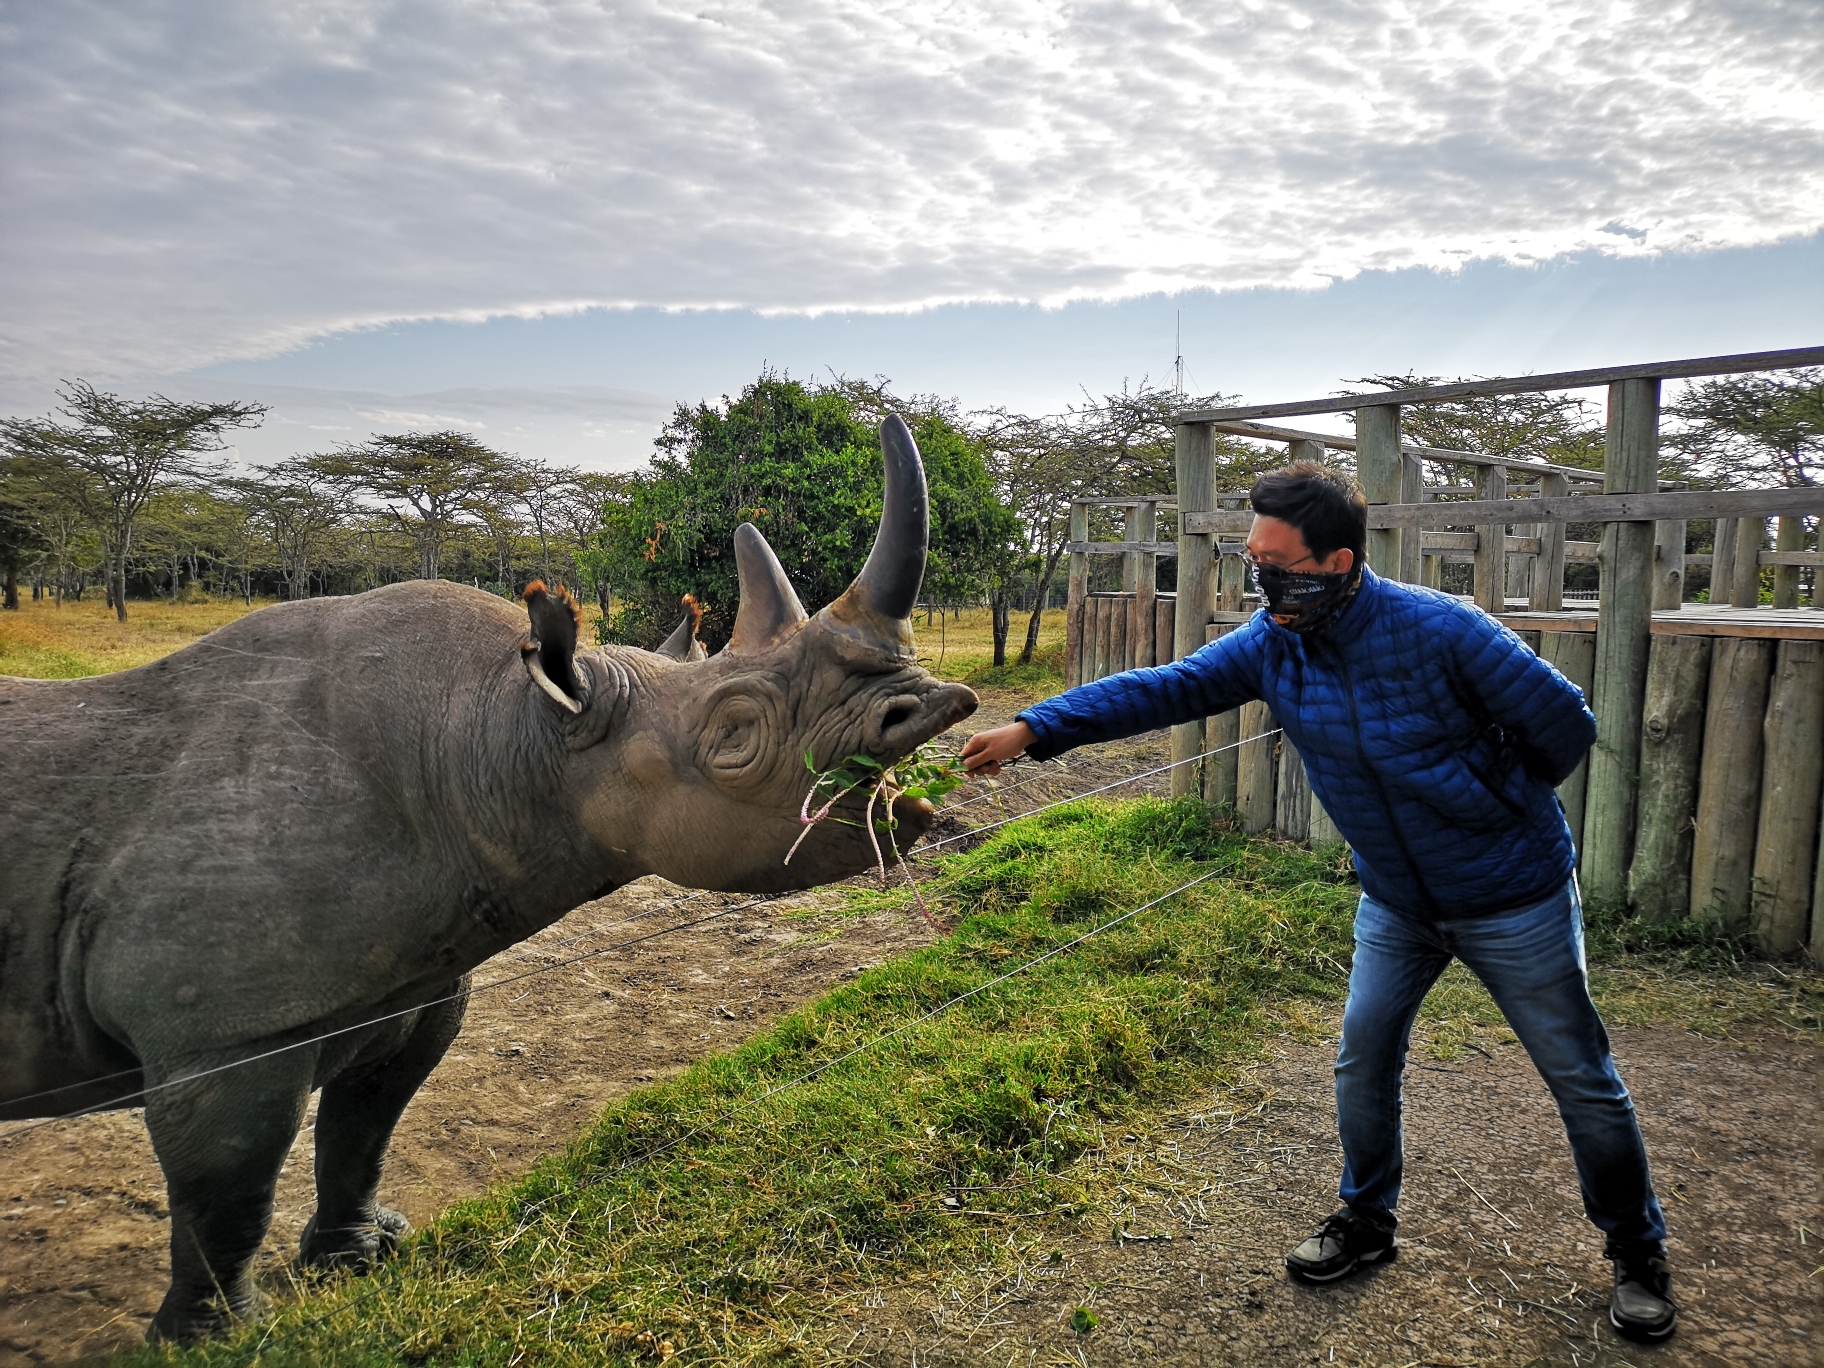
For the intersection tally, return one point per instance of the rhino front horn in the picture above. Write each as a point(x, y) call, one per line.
point(887, 587)
point(769, 608)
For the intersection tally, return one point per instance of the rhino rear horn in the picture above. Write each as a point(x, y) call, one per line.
point(887, 587)
point(551, 653)
point(682, 644)
point(769, 607)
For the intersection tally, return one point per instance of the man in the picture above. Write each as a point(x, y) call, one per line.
point(1434, 739)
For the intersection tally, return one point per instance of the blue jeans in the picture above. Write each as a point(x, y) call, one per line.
point(1531, 962)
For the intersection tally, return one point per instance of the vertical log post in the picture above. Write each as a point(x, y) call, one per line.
point(1573, 655)
point(1166, 610)
point(1624, 622)
point(1196, 494)
point(1817, 894)
point(1076, 599)
point(1722, 562)
point(1787, 837)
point(1118, 609)
point(1324, 835)
point(1668, 564)
point(1258, 769)
point(1745, 578)
point(1491, 544)
point(1143, 526)
point(1105, 621)
point(1412, 540)
point(1671, 745)
point(1379, 471)
point(1220, 772)
point(1292, 802)
point(1791, 537)
point(1729, 780)
point(1546, 594)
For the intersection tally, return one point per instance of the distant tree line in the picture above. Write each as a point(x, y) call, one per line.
point(131, 498)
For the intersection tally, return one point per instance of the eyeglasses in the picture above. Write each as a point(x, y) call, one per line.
point(1253, 562)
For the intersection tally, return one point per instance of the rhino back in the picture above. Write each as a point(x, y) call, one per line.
point(260, 832)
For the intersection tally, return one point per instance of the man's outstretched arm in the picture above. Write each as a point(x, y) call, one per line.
point(1219, 677)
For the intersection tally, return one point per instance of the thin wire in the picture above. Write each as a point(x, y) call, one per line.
point(516, 959)
point(376, 1021)
point(1090, 793)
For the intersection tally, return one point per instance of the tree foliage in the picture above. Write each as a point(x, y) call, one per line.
point(1752, 430)
point(802, 463)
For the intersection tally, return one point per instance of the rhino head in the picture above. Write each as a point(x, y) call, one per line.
point(694, 768)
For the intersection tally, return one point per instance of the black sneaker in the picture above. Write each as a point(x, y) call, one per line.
point(1342, 1245)
point(1641, 1308)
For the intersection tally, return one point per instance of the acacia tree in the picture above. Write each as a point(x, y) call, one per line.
point(1753, 429)
point(430, 483)
point(113, 454)
point(1563, 429)
point(298, 509)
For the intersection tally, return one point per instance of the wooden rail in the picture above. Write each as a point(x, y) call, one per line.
point(1738, 364)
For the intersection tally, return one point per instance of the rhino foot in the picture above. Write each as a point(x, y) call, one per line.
point(186, 1324)
point(358, 1246)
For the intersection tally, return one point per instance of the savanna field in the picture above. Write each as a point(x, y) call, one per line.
point(837, 1185)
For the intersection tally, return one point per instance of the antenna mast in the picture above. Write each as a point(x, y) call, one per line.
point(1178, 365)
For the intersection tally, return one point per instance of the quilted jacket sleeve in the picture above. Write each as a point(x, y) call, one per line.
point(1223, 675)
point(1541, 711)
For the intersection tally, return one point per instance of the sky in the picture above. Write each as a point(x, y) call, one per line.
point(549, 223)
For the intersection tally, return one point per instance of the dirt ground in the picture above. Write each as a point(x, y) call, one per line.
point(1497, 1265)
point(83, 1225)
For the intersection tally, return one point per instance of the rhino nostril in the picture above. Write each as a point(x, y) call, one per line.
point(894, 717)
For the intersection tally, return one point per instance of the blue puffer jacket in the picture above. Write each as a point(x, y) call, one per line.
point(1432, 735)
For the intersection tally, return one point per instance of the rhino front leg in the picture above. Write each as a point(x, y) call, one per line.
point(355, 1121)
point(221, 1141)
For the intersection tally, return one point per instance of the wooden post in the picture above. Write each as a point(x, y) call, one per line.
point(1722, 562)
point(1196, 462)
point(1668, 565)
point(1412, 491)
point(1624, 622)
point(1076, 598)
point(1491, 544)
point(1141, 642)
point(1292, 803)
point(1231, 584)
point(1378, 469)
point(1166, 611)
point(1304, 449)
point(1793, 769)
point(1324, 835)
point(1257, 769)
point(1118, 610)
point(1547, 592)
point(1224, 729)
point(1573, 655)
point(1745, 587)
point(1105, 622)
point(1671, 745)
point(1729, 780)
point(1817, 895)
point(1791, 537)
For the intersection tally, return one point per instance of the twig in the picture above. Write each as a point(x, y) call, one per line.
point(1485, 1202)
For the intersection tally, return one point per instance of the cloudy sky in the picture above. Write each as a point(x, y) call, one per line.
point(550, 221)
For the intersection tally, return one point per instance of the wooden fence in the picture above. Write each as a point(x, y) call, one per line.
point(1703, 794)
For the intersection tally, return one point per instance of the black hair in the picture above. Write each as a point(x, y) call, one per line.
point(1324, 504)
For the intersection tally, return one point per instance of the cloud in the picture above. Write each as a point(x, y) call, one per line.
point(193, 182)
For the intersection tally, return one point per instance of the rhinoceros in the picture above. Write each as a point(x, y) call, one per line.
point(331, 810)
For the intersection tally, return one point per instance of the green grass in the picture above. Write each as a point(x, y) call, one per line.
point(706, 1215)
point(730, 1243)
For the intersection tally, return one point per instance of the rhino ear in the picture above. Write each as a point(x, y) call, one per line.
point(550, 655)
point(682, 644)
point(769, 608)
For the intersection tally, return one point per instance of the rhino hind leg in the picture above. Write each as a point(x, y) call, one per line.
point(355, 1121)
point(221, 1141)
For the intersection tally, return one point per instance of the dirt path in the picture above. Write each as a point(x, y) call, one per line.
point(1506, 1271)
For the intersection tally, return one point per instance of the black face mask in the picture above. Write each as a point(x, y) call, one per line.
point(1302, 601)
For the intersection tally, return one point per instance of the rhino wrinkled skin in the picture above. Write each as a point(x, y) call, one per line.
point(332, 810)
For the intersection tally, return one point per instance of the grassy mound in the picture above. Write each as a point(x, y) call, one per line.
point(716, 1216)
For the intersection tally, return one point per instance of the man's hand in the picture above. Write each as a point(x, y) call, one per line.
point(985, 752)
